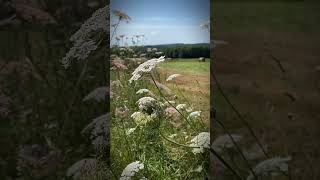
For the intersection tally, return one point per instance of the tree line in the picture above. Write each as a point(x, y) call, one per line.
point(183, 50)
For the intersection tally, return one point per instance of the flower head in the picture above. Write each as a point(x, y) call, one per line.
point(145, 67)
point(81, 50)
point(271, 166)
point(147, 104)
point(99, 130)
point(122, 112)
point(201, 141)
point(130, 131)
point(142, 91)
point(181, 106)
point(194, 115)
point(225, 141)
point(121, 15)
point(141, 119)
point(131, 170)
point(173, 76)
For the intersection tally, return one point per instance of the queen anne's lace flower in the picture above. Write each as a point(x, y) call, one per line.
point(99, 130)
point(201, 141)
point(142, 91)
point(121, 15)
point(225, 141)
point(83, 43)
point(271, 166)
point(130, 131)
point(181, 106)
point(173, 76)
point(141, 119)
point(131, 170)
point(99, 94)
point(98, 21)
point(122, 112)
point(146, 103)
point(194, 115)
point(145, 67)
point(80, 51)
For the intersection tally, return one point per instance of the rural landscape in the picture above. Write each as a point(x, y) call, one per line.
point(160, 105)
point(92, 91)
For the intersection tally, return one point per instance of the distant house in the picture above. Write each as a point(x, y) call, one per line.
point(202, 59)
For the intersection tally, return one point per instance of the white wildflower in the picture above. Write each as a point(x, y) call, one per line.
point(99, 94)
point(141, 91)
point(99, 129)
point(81, 168)
point(225, 141)
point(201, 141)
point(270, 166)
point(136, 115)
point(82, 39)
point(145, 67)
point(181, 106)
point(173, 76)
point(130, 131)
point(121, 112)
point(131, 170)
point(146, 103)
point(194, 115)
point(142, 119)
point(80, 51)
point(98, 21)
point(121, 15)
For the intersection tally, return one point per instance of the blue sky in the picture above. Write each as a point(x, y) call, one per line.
point(164, 21)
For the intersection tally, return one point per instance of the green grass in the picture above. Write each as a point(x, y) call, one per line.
point(186, 66)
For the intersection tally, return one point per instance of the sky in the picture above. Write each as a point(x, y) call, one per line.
point(163, 21)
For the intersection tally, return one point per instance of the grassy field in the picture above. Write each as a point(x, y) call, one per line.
point(282, 107)
point(194, 82)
